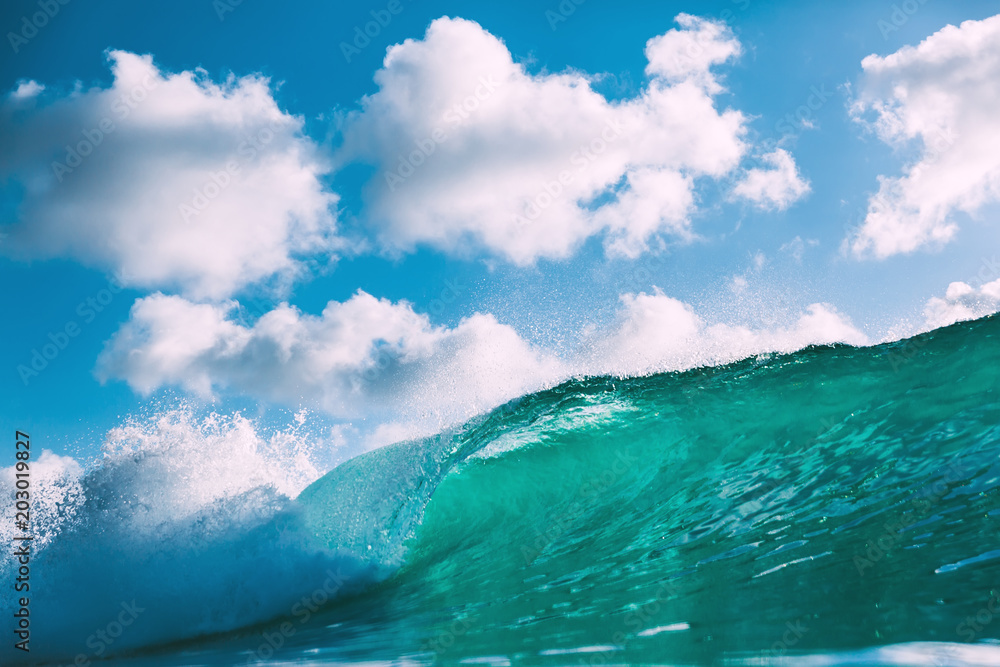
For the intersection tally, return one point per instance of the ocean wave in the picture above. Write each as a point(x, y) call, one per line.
point(677, 516)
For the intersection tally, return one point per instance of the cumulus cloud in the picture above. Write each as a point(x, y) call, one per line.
point(941, 95)
point(962, 302)
point(776, 186)
point(376, 360)
point(26, 90)
point(171, 180)
point(656, 333)
point(473, 151)
point(364, 357)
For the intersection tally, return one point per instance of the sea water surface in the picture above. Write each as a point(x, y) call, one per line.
point(835, 506)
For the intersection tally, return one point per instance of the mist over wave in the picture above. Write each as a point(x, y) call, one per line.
point(380, 362)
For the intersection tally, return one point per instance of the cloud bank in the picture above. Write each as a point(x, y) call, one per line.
point(656, 333)
point(171, 181)
point(186, 185)
point(942, 95)
point(473, 152)
point(368, 358)
point(364, 357)
point(962, 302)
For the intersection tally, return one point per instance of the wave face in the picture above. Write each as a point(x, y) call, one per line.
point(838, 505)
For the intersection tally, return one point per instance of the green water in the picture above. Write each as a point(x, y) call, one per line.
point(809, 504)
point(836, 506)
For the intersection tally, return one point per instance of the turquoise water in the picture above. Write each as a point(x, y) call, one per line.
point(832, 506)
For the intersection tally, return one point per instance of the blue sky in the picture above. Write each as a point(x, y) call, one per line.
point(793, 72)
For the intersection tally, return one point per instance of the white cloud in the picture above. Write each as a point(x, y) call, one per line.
point(378, 361)
point(26, 90)
point(962, 302)
point(365, 357)
point(656, 333)
point(472, 151)
point(776, 187)
point(653, 198)
point(689, 54)
point(171, 180)
point(941, 95)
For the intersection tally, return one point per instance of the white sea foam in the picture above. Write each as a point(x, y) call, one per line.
point(192, 519)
